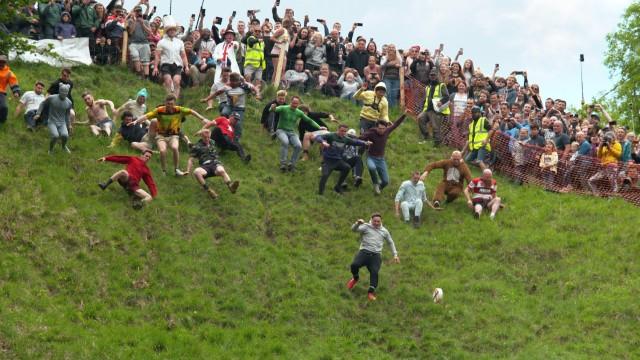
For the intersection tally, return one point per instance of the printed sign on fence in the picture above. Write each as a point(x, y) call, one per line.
point(72, 51)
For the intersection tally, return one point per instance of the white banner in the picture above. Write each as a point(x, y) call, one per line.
point(72, 51)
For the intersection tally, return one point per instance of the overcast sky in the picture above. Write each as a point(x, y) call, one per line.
point(544, 37)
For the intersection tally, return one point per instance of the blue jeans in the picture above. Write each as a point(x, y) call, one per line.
point(237, 129)
point(378, 167)
point(288, 138)
point(393, 91)
point(477, 155)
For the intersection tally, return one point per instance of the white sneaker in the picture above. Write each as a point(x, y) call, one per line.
point(179, 172)
point(376, 189)
point(492, 217)
point(67, 150)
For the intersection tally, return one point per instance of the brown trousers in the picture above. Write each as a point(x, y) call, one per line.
point(449, 188)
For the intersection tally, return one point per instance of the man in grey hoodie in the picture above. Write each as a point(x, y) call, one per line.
point(372, 237)
point(57, 111)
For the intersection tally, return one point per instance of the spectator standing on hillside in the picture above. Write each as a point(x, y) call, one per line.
point(168, 123)
point(30, 102)
point(390, 67)
point(435, 110)
point(454, 173)
point(479, 137)
point(375, 106)
point(224, 54)
point(376, 163)
point(86, 21)
point(139, 50)
point(205, 152)
point(288, 120)
point(481, 194)
point(334, 145)
point(130, 177)
point(411, 196)
point(372, 238)
point(57, 113)
point(65, 29)
point(608, 153)
point(359, 57)
point(7, 78)
point(172, 58)
point(50, 14)
point(99, 119)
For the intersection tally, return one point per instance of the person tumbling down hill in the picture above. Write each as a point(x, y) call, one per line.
point(205, 152)
point(169, 121)
point(289, 117)
point(137, 135)
point(130, 177)
point(334, 145)
point(223, 135)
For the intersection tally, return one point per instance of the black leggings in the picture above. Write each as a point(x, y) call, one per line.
point(356, 164)
point(330, 165)
point(225, 142)
point(372, 261)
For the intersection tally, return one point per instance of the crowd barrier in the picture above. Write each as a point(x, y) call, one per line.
point(521, 162)
point(70, 52)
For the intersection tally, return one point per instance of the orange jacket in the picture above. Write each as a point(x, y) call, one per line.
point(7, 77)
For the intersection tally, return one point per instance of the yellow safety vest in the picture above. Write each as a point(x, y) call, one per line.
point(477, 134)
point(436, 95)
point(255, 56)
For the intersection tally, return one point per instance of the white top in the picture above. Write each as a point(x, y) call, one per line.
point(170, 50)
point(31, 100)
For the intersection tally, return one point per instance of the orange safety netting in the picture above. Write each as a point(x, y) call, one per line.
point(579, 174)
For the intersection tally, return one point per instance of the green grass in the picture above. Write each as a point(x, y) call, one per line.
point(261, 274)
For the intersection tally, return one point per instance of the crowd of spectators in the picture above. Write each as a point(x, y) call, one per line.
point(327, 60)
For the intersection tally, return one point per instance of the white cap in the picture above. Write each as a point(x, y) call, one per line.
point(351, 132)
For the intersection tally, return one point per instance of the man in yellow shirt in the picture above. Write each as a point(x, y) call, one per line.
point(167, 124)
point(375, 105)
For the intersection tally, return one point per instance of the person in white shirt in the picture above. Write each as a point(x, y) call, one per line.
point(411, 196)
point(172, 60)
point(225, 54)
point(30, 102)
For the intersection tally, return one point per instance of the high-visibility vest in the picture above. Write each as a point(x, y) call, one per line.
point(477, 134)
point(255, 56)
point(436, 95)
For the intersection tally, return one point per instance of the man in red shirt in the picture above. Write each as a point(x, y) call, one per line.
point(130, 178)
point(224, 136)
point(481, 194)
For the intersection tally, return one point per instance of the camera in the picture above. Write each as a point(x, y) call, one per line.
point(218, 20)
point(358, 24)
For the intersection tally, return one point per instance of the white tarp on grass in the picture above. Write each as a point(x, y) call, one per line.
point(72, 52)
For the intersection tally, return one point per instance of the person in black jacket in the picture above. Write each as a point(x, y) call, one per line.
point(136, 135)
point(359, 57)
point(269, 119)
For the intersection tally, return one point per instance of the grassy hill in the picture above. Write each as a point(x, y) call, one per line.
point(261, 274)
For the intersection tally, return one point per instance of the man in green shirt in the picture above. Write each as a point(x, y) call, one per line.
point(289, 115)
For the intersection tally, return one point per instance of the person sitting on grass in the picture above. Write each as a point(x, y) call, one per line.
point(481, 194)
point(139, 136)
point(411, 196)
point(372, 238)
point(289, 116)
point(204, 151)
point(130, 177)
point(99, 120)
point(30, 102)
point(224, 137)
point(137, 106)
point(333, 148)
point(454, 174)
point(168, 122)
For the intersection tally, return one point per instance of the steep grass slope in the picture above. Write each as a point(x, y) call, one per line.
point(262, 273)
